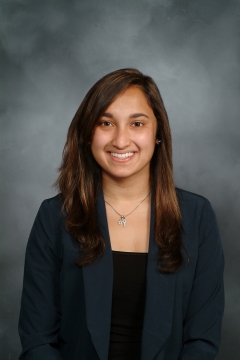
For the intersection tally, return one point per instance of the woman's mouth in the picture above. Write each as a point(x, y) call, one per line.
point(122, 156)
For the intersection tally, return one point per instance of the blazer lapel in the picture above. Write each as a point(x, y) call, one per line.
point(98, 279)
point(159, 303)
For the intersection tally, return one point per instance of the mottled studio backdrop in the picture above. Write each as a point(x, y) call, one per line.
point(53, 52)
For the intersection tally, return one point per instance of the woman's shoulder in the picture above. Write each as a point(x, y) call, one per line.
point(51, 210)
point(193, 203)
point(47, 228)
point(184, 195)
point(195, 206)
point(54, 202)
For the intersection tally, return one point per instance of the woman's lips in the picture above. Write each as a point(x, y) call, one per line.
point(122, 156)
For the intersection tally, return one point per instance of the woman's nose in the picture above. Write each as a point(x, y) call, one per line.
point(121, 138)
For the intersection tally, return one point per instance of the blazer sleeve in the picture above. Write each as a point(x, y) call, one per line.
point(40, 312)
point(202, 325)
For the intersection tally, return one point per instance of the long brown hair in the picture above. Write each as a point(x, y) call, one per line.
point(79, 181)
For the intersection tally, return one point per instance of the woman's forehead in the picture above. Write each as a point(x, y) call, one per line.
point(132, 99)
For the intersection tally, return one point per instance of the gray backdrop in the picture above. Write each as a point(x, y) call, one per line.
point(53, 52)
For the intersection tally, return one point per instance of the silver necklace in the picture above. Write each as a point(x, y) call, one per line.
point(122, 220)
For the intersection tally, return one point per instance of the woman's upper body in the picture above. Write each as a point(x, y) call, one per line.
point(66, 310)
point(118, 152)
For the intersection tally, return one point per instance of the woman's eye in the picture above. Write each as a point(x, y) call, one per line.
point(105, 123)
point(137, 123)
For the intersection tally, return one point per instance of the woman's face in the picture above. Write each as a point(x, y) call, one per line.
point(124, 139)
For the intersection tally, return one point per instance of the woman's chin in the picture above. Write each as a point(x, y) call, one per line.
point(125, 174)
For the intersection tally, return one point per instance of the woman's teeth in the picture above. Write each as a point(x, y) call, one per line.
point(122, 156)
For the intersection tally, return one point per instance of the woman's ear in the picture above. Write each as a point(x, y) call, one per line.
point(158, 141)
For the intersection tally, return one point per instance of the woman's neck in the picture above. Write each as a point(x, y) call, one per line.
point(125, 190)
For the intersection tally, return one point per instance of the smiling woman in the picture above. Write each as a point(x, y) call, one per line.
point(122, 264)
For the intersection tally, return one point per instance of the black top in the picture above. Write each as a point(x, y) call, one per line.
point(128, 300)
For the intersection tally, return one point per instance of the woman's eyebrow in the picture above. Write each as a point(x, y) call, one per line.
point(108, 115)
point(136, 115)
point(132, 116)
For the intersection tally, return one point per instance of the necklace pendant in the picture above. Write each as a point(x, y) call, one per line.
point(122, 221)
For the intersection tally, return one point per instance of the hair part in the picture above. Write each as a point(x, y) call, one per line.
point(79, 180)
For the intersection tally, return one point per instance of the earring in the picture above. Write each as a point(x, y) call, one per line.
point(158, 141)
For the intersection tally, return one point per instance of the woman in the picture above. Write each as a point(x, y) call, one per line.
point(121, 264)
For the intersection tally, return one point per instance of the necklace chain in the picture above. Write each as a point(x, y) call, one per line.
point(122, 220)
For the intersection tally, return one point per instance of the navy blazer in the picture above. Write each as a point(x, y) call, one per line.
point(66, 309)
